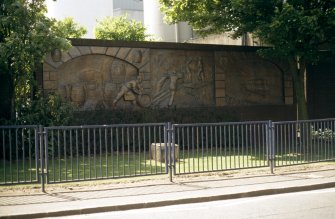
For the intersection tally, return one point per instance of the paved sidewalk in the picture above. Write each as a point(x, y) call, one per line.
point(142, 195)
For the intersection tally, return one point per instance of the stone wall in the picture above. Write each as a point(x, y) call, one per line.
point(96, 74)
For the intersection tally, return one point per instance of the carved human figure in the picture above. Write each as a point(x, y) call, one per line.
point(129, 91)
point(173, 76)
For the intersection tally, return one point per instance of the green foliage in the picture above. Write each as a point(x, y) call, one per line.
point(196, 115)
point(120, 28)
point(68, 28)
point(26, 36)
point(295, 29)
point(326, 134)
point(47, 111)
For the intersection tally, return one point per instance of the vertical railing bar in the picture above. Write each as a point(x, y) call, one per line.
point(65, 160)
point(192, 137)
point(23, 156)
point(134, 151)
point(255, 145)
point(77, 155)
point(166, 127)
point(246, 144)
point(211, 145)
point(112, 152)
point(220, 134)
point(183, 143)
point(128, 144)
point(229, 145)
point(251, 145)
point(225, 146)
point(83, 152)
point(234, 145)
point(100, 154)
point(216, 146)
point(282, 142)
point(53, 155)
point(89, 153)
point(242, 145)
point(155, 148)
point(263, 142)
point(95, 154)
point(202, 148)
point(123, 152)
point(71, 153)
point(29, 146)
point(4, 155)
point(238, 145)
point(151, 138)
point(188, 148)
point(160, 145)
point(139, 148)
point(259, 143)
point(59, 155)
point(17, 154)
point(117, 151)
point(10, 155)
point(46, 154)
point(106, 155)
point(207, 148)
point(197, 128)
point(144, 151)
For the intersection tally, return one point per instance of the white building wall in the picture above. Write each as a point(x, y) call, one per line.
point(155, 25)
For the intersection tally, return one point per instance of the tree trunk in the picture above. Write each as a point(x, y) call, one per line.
point(298, 73)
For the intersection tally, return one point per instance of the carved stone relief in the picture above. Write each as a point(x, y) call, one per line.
point(93, 81)
point(181, 79)
point(250, 79)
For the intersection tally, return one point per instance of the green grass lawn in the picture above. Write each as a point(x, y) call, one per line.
point(117, 165)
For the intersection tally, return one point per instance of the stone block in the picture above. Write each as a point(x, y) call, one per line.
point(46, 75)
point(288, 100)
point(220, 92)
point(98, 50)
point(53, 76)
point(47, 67)
point(288, 92)
point(50, 85)
point(220, 77)
point(220, 101)
point(74, 52)
point(220, 84)
point(123, 53)
point(288, 84)
point(158, 151)
point(112, 51)
point(65, 57)
point(84, 50)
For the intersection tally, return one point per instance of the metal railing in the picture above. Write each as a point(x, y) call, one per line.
point(299, 142)
point(19, 156)
point(220, 146)
point(31, 154)
point(77, 153)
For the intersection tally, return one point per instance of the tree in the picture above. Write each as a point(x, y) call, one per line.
point(295, 29)
point(26, 36)
point(68, 28)
point(120, 28)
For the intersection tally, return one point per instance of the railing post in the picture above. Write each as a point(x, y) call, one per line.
point(170, 149)
point(270, 145)
point(41, 145)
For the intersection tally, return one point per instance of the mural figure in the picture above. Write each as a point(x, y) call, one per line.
point(161, 94)
point(129, 91)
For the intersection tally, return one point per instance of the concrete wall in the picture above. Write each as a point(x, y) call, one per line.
point(97, 74)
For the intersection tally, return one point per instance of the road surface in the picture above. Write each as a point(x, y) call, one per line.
point(311, 204)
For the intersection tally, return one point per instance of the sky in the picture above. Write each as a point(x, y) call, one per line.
point(83, 11)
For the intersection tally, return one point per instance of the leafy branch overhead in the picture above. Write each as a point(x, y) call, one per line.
point(120, 28)
point(292, 27)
